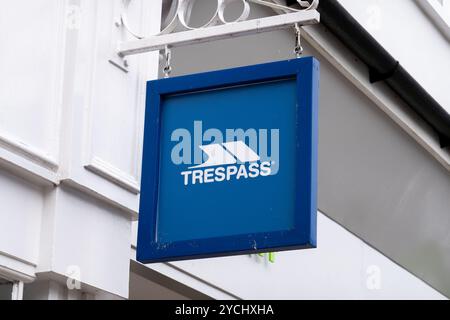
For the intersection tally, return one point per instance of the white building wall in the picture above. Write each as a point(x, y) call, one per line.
point(86, 239)
point(21, 215)
point(70, 148)
point(70, 143)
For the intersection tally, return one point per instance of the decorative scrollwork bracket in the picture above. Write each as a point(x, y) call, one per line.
point(217, 26)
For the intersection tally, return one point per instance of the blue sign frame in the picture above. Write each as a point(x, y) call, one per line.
point(303, 235)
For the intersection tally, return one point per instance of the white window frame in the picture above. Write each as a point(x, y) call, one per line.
point(439, 12)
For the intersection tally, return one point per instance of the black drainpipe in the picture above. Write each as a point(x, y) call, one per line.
point(383, 67)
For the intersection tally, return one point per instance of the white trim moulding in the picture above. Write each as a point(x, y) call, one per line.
point(90, 189)
point(15, 269)
point(113, 174)
point(31, 153)
point(27, 162)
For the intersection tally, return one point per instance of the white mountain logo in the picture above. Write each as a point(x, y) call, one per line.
point(227, 161)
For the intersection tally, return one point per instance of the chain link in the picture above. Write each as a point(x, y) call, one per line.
point(298, 49)
point(167, 67)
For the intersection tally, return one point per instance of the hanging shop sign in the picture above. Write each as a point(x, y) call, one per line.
point(229, 162)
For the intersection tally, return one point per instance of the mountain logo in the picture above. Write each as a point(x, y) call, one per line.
point(227, 161)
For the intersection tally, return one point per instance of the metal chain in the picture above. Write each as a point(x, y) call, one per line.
point(298, 49)
point(167, 67)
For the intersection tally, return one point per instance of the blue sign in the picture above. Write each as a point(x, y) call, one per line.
point(229, 163)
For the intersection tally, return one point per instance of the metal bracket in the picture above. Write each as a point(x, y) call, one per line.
point(231, 30)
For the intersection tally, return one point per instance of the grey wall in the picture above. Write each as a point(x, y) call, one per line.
point(374, 179)
point(5, 290)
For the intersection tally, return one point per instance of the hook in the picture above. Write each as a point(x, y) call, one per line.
point(298, 49)
point(168, 56)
